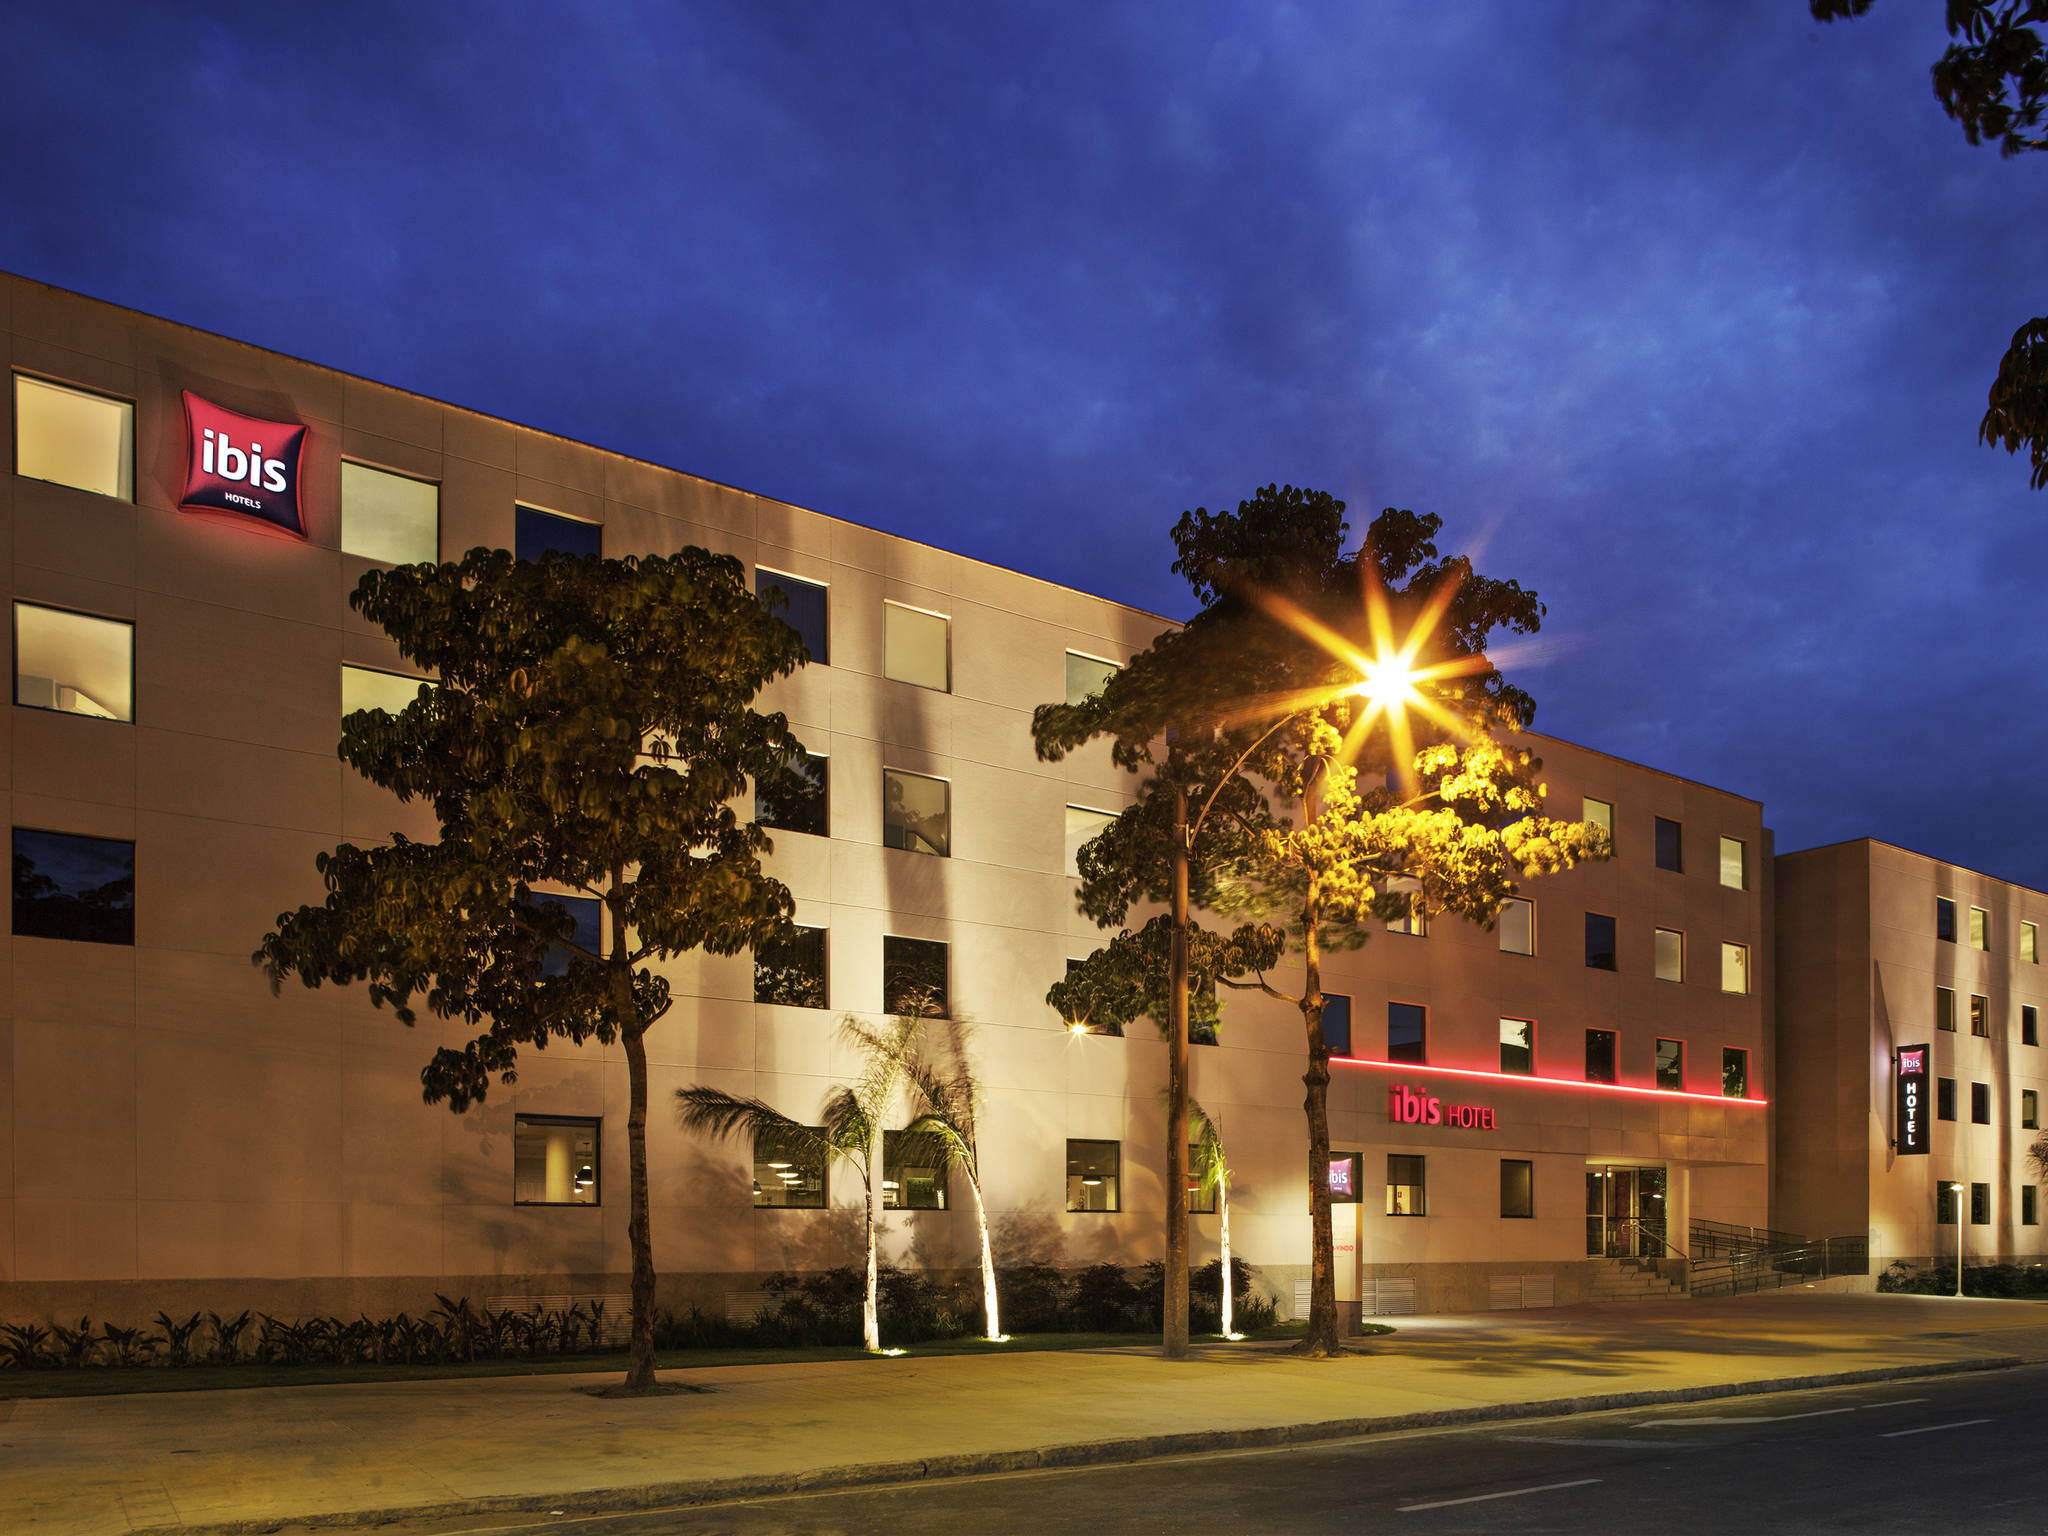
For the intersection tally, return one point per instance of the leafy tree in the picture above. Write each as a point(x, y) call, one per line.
point(1994, 82)
point(591, 729)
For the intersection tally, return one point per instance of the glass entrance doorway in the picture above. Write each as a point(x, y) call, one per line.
point(1625, 1216)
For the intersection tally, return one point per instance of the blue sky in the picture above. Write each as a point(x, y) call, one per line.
point(1681, 314)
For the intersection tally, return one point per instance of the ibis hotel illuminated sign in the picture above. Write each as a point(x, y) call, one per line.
point(1911, 1118)
point(1407, 1107)
point(242, 465)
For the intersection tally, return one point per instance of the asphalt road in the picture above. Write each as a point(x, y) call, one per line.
point(1956, 1454)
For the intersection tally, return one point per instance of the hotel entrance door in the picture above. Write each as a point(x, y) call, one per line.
point(1625, 1212)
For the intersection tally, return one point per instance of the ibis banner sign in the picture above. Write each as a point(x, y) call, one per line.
point(1911, 1116)
point(1407, 1107)
point(242, 465)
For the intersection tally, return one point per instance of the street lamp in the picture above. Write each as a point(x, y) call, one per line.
point(1957, 1191)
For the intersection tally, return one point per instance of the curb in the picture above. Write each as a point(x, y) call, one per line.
point(721, 1490)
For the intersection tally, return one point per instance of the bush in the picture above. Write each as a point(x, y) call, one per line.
point(1978, 1280)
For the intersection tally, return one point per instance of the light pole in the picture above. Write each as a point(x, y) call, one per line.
point(1957, 1191)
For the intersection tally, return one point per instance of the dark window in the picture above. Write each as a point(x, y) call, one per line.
point(2030, 1110)
point(1671, 1065)
point(1944, 1098)
point(913, 1171)
point(2028, 1215)
point(913, 976)
point(1944, 919)
point(586, 929)
point(789, 1168)
point(536, 533)
point(1092, 1175)
point(68, 887)
point(790, 969)
point(1084, 1024)
point(1944, 1008)
point(1518, 1047)
point(1980, 1017)
point(554, 1160)
point(801, 607)
point(801, 800)
point(1337, 1023)
point(1407, 1032)
point(1599, 941)
point(1980, 1103)
point(1599, 1055)
point(1347, 1178)
point(1407, 1194)
point(1734, 1073)
point(1980, 1204)
point(1944, 1204)
point(2030, 1024)
point(1517, 1187)
point(1670, 846)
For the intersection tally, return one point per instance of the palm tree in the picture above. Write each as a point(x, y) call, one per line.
point(1212, 1171)
point(951, 1103)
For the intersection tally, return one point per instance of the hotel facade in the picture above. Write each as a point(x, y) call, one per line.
point(186, 518)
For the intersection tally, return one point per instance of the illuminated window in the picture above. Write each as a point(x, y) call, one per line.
point(915, 813)
point(536, 533)
point(2030, 944)
point(913, 976)
point(77, 888)
point(1734, 967)
point(2030, 1110)
point(73, 663)
point(1671, 1065)
point(1944, 1007)
point(803, 608)
point(2029, 1216)
point(1980, 1017)
point(789, 1168)
point(1734, 1073)
point(1670, 845)
point(913, 1171)
point(554, 1160)
point(1599, 1055)
point(1734, 864)
point(1087, 676)
point(1980, 928)
point(790, 970)
point(1407, 1032)
point(801, 801)
point(916, 647)
point(1944, 919)
point(1407, 1191)
point(1337, 1023)
point(1092, 1175)
point(1599, 941)
point(1083, 825)
point(1944, 1098)
point(2030, 1024)
point(1670, 955)
point(1414, 921)
point(367, 688)
point(388, 517)
point(1980, 1103)
point(1980, 1205)
point(1518, 1047)
point(1600, 814)
point(73, 437)
point(1517, 1187)
point(1517, 927)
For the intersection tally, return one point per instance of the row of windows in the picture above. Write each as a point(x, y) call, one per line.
point(1979, 930)
point(1980, 1205)
point(1980, 1016)
point(1980, 1104)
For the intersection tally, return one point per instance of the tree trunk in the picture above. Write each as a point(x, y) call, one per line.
point(1223, 1212)
point(988, 1264)
point(1174, 1342)
point(1322, 1340)
point(870, 1312)
point(640, 1368)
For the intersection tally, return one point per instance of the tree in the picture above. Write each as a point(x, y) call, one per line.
point(591, 727)
point(950, 1101)
point(1212, 1174)
point(1994, 83)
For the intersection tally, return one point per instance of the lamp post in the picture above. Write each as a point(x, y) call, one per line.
point(1957, 1191)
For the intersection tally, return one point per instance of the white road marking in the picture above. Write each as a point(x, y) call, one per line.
point(1896, 1402)
point(1928, 1429)
point(1615, 1445)
point(1780, 1418)
point(1481, 1498)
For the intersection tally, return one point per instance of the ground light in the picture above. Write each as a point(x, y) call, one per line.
point(1957, 1191)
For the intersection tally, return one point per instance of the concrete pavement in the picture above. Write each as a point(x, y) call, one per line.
point(270, 1458)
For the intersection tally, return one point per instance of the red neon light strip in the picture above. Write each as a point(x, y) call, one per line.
point(1544, 1082)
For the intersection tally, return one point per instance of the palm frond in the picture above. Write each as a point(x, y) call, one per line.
point(726, 1115)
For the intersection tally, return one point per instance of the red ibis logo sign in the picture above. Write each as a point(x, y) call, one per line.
point(1407, 1107)
point(243, 465)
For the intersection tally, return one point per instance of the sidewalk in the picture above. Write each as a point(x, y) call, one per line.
point(269, 1455)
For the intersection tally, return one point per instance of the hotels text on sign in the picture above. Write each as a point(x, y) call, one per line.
point(1407, 1107)
point(243, 465)
point(1912, 1135)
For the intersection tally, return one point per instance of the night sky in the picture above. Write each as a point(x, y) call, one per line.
point(1682, 314)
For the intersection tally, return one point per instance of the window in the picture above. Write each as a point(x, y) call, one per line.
point(1201, 1201)
point(1337, 1023)
point(915, 647)
point(387, 517)
point(913, 976)
point(1944, 1204)
point(1980, 928)
point(1083, 1025)
point(1600, 814)
point(1945, 1008)
point(1944, 1098)
point(915, 813)
point(2030, 1110)
point(1980, 1103)
point(1092, 1169)
point(536, 533)
point(1734, 1073)
point(1407, 1032)
point(1407, 1194)
point(801, 801)
point(1082, 826)
point(554, 1160)
point(1599, 941)
point(1086, 676)
point(79, 888)
point(1347, 1178)
point(586, 929)
point(803, 610)
point(790, 970)
point(2030, 944)
point(1980, 1205)
point(2028, 1215)
point(1734, 967)
point(1518, 1047)
point(1670, 846)
point(1670, 955)
point(1980, 1017)
point(2030, 1024)
point(367, 688)
point(1599, 1055)
point(1671, 1065)
point(1414, 920)
point(789, 1168)
point(72, 437)
point(1517, 1187)
point(1734, 864)
point(913, 1171)
point(74, 662)
point(1517, 928)
point(1944, 919)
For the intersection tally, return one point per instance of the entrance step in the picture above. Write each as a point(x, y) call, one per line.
point(1624, 1280)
